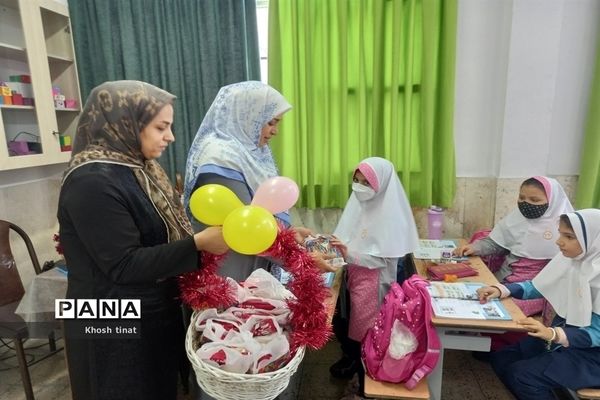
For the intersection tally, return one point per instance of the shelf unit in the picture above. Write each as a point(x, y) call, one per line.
point(44, 51)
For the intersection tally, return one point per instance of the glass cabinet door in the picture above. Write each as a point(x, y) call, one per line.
point(63, 74)
point(39, 89)
point(19, 126)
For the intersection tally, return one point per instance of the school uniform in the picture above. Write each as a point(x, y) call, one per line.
point(529, 369)
point(527, 243)
point(378, 228)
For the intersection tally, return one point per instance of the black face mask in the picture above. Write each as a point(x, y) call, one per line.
point(532, 211)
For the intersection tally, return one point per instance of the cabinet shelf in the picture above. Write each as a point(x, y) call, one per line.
point(13, 52)
point(35, 40)
point(59, 58)
point(16, 107)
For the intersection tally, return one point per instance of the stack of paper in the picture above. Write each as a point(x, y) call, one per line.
point(434, 249)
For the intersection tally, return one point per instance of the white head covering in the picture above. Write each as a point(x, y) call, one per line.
point(572, 285)
point(384, 225)
point(229, 134)
point(534, 238)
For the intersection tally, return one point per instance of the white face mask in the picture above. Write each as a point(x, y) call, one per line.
point(362, 192)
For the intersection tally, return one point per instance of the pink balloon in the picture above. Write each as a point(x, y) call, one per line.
point(276, 194)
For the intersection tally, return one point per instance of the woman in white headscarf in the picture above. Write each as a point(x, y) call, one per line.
point(566, 354)
point(376, 229)
point(231, 149)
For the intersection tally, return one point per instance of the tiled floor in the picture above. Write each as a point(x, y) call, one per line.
point(464, 377)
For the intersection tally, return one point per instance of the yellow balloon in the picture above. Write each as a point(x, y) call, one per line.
point(250, 230)
point(211, 204)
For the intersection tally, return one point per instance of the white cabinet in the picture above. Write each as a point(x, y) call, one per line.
point(36, 45)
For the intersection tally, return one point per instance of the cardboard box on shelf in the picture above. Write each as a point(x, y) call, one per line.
point(4, 89)
point(23, 88)
point(17, 99)
point(20, 78)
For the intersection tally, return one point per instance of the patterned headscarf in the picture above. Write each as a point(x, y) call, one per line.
point(112, 119)
point(230, 132)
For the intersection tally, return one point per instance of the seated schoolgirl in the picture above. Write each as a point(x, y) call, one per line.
point(566, 354)
point(526, 236)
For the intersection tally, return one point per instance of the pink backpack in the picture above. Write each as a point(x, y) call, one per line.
point(403, 346)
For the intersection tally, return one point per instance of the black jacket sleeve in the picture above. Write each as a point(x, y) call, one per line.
point(100, 214)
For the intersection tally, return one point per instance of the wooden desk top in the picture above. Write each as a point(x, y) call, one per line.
point(387, 390)
point(487, 277)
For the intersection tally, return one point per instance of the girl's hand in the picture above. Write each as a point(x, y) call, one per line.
point(466, 250)
point(335, 242)
point(301, 233)
point(536, 329)
point(211, 240)
point(488, 293)
point(320, 260)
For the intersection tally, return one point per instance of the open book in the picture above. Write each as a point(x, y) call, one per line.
point(460, 300)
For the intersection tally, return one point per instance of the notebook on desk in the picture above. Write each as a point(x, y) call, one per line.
point(460, 300)
point(437, 272)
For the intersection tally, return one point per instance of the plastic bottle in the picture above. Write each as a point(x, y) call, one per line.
point(435, 220)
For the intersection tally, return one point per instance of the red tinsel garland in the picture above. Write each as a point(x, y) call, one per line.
point(205, 289)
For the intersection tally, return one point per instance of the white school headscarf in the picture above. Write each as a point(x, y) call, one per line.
point(572, 285)
point(534, 238)
point(383, 226)
point(229, 134)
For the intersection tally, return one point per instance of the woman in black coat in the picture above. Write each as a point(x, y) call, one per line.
point(125, 236)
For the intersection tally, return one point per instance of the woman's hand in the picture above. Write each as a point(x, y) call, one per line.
point(301, 233)
point(211, 240)
point(321, 259)
point(466, 250)
point(536, 329)
point(488, 293)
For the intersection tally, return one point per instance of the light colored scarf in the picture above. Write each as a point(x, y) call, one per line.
point(383, 226)
point(230, 132)
point(572, 285)
point(534, 238)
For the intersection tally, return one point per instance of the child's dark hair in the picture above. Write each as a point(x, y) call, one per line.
point(564, 219)
point(535, 183)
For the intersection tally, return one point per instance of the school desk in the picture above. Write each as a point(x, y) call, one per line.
point(465, 334)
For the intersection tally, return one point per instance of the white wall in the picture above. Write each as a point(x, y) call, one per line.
point(523, 73)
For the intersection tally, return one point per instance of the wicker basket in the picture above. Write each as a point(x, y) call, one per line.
point(223, 385)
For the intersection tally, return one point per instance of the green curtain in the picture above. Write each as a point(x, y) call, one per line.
point(588, 187)
point(366, 78)
point(189, 47)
